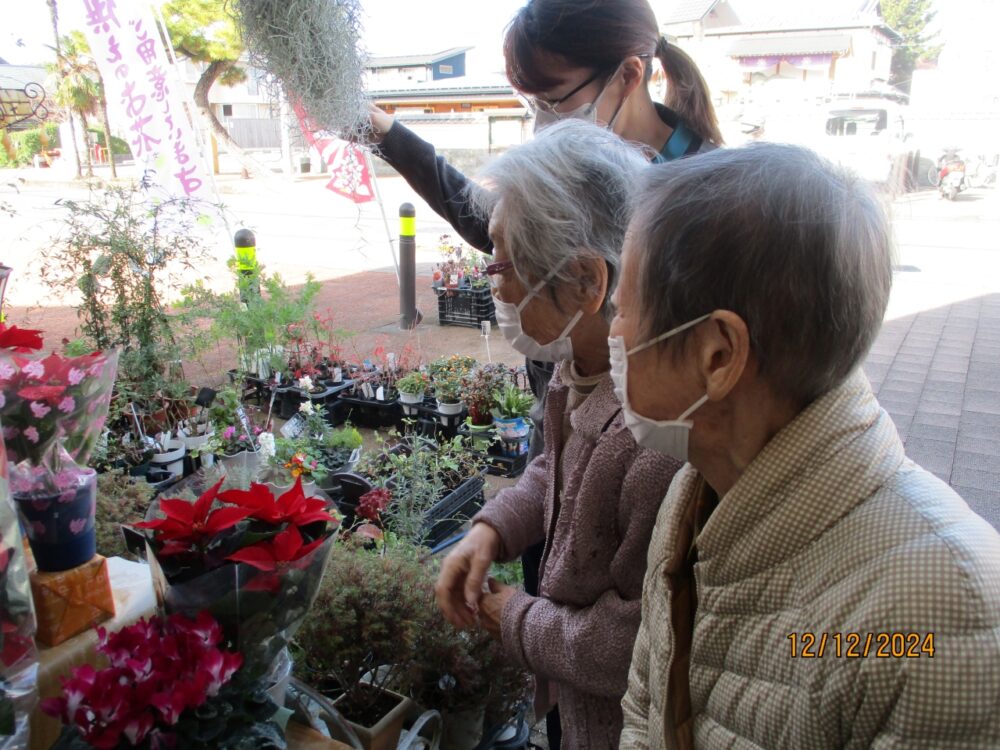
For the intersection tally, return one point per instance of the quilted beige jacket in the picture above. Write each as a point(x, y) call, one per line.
point(830, 530)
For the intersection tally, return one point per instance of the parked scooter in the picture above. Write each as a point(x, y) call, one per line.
point(952, 177)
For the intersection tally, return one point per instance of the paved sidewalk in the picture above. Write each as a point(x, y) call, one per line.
point(937, 373)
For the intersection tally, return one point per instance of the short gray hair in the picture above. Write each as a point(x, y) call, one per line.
point(566, 194)
point(800, 249)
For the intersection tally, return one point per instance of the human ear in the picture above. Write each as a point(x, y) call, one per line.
point(592, 275)
point(723, 352)
point(633, 73)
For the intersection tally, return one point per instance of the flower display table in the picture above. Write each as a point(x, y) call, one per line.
point(132, 588)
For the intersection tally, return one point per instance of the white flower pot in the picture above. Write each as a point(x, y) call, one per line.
point(411, 398)
point(172, 458)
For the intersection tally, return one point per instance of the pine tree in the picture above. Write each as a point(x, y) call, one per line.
point(909, 18)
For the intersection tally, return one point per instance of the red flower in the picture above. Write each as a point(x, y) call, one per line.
point(19, 339)
point(293, 507)
point(373, 502)
point(283, 549)
point(189, 525)
point(50, 393)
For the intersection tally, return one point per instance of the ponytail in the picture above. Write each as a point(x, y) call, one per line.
point(687, 92)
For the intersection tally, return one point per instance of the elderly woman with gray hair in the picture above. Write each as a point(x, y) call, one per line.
point(807, 585)
point(558, 210)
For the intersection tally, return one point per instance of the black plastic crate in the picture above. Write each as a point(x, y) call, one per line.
point(498, 464)
point(375, 415)
point(465, 307)
point(453, 510)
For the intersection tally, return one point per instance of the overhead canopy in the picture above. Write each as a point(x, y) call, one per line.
point(797, 45)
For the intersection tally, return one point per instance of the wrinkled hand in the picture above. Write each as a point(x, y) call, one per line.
point(491, 607)
point(460, 584)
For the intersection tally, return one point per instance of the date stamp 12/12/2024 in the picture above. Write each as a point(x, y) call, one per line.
point(809, 645)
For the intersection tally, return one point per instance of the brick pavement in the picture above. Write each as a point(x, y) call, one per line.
point(937, 373)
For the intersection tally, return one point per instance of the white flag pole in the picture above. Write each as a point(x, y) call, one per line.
point(385, 219)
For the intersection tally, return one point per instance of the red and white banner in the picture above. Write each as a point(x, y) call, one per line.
point(144, 98)
point(348, 164)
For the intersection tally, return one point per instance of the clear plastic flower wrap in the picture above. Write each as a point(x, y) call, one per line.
point(18, 657)
point(252, 560)
point(53, 410)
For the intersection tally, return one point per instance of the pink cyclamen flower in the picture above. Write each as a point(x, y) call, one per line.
point(77, 525)
point(9, 433)
point(35, 369)
point(75, 376)
point(67, 405)
point(6, 370)
point(229, 432)
point(39, 409)
point(32, 434)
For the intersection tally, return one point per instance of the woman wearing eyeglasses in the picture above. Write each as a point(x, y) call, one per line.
point(572, 59)
point(558, 209)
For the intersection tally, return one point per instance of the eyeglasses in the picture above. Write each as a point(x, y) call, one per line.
point(539, 104)
point(493, 271)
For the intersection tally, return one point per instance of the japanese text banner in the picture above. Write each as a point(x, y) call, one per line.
point(143, 99)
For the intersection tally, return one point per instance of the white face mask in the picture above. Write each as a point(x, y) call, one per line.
point(509, 321)
point(668, 436)
point(546, 115)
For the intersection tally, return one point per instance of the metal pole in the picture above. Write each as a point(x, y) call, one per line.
point(409, 316)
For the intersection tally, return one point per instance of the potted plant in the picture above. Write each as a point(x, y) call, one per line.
point(171, 682)
point(359, 637)
point(412, 388)
point(53, 411)
point(446, 376)
point(251, 559)
point(510, 416)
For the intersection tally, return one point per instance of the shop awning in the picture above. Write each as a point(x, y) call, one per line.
point(791, 46)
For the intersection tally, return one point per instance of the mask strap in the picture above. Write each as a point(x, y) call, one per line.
point(700, 402)
point(537, 288)
point(572, 322)
point(668, 334)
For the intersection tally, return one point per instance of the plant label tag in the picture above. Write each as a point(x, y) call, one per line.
point(380, 394)
point(366, 388)
point(368, 365)
point(338, 375)
point(391, 359)
point(293, 427)
point(486, 325)
point(245, 422)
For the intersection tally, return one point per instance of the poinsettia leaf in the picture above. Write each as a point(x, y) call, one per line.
point(287, 544)
point(305, 550)
point(225, 518)
point(320, 515)
point(204, 503)
point(259, 556)
point(180, 510)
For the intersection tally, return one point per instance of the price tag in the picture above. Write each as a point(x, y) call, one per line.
point(380, 394)
point(245, 422)
point(486, 326)
point(366, 388)
point(294, 426)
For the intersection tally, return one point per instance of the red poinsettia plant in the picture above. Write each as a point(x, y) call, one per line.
point(246, 555)
point(171, 684)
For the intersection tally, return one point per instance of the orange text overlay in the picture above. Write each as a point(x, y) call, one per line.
point(810, 645)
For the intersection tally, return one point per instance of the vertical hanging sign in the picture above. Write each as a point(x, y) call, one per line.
point(129, 52)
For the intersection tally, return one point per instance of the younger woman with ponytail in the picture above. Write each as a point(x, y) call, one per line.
point(588, 59)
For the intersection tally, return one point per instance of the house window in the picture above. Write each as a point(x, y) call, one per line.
point(227, 110)
point(446, 69)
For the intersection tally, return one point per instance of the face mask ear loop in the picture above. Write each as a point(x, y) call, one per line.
point(697, 404)
point(668, 334)
point(572, 322)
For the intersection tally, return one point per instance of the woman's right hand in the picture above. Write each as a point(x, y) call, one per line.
point(460, 584)
point(380, 121)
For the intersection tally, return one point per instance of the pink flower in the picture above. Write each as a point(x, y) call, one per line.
point(39, 410)
point(96, 369)
point(37, 529)
point(9, 433)
point(228, 433)
point(35, 369)
point(6, 370)
point(77, 526)
point(75, 376)
point(67, 405)
point(32, 434)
